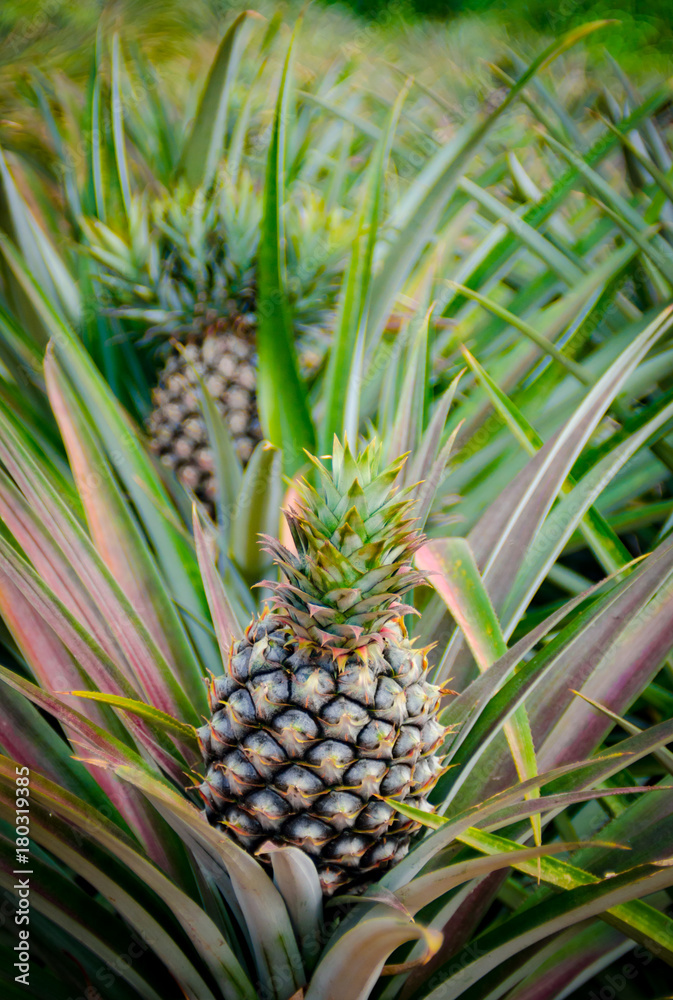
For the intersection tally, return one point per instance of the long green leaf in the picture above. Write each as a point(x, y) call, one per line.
point(282, 399)
point(356, 287)
point(203, 145)
point(432, 190)
point(154, 715)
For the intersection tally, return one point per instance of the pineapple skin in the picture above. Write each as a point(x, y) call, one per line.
point(223, 358)
point(302, 748)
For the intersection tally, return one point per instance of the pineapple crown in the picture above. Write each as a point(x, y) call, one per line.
point(354, 544)
point(188, 258)
point(191, 258)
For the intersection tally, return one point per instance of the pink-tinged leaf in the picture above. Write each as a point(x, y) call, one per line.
point(477, 815)
point(37, 541)
point(568, 514)
point(665, 757)
point(594, 771)
point(58, 838)
point(599, 651)
point(641, 920)
point(465, 709)
point(631, 661)
point(646, 825)
point(588, 645)
point(552, 805)
point(108, 752)
point(27, 736)
point(116, 534)
point(618, 898)
point(502, 537)
point(427, 888)
point(88, 734)
point(104, 509)
point(547, 804)
point(25, 594)
point(126, 452)
point(352, 965)
point(45, 653)
point(227, 626)
point(51, 663)
point(569, 960)
point(454, 574)
point(185, 735)
point(68, 562)
point(205, 936)
point(91, 662)
point(266, 917)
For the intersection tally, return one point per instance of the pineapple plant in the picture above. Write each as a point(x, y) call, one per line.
point(186, 284)
point(113, 618)
point(166, 232)
point(325, 709)
point(227, 903)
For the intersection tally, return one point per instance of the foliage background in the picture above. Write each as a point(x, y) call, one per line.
point(642, 40)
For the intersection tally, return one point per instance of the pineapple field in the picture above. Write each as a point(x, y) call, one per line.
point(336, 503)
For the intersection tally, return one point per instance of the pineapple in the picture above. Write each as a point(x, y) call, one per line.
point(220, 353)
point(325, 709)
point(189, 278)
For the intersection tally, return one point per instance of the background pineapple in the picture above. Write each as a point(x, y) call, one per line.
point(186, 282)
point(325, 708)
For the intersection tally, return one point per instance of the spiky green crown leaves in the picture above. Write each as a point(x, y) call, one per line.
point(188, 259)
point(354, 543)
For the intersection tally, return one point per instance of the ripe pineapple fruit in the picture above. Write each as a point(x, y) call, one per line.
point(189, 278)
point(219, 352)
point(325, 708)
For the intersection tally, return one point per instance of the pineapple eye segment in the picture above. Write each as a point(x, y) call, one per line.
point(268, 808)
point(308, 833)
point(348, 848)
point(340, 808)
point(295, 730)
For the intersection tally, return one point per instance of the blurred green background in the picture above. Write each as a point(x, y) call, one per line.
point(642, 40)
point(644, 31)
